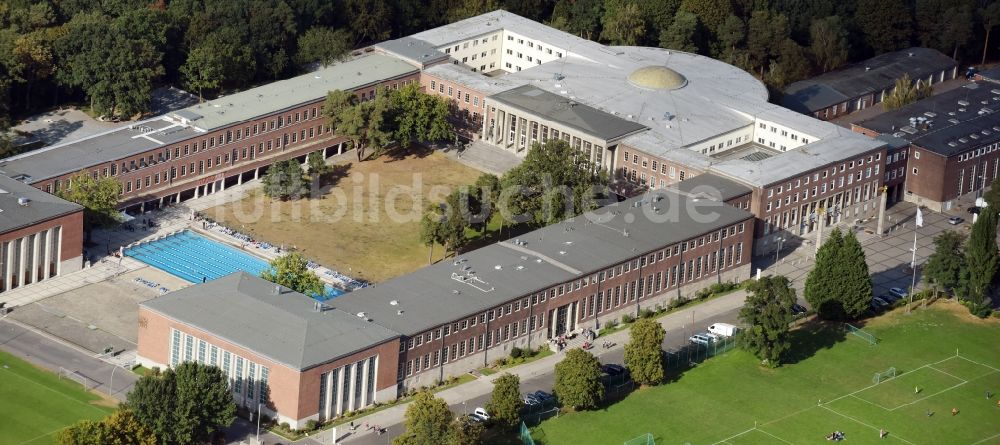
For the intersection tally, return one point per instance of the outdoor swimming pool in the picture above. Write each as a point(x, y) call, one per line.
point(196, 258)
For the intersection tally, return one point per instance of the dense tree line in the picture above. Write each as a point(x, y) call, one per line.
point(111, 54)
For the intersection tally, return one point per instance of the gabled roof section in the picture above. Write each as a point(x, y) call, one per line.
point(569, 112)
point(872, 75)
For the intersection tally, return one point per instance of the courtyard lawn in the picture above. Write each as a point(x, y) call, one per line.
point(829, 387)
point(36, 404)
point(367, 225)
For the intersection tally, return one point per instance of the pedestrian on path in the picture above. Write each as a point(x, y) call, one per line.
point(882, 434)
point(954, 412)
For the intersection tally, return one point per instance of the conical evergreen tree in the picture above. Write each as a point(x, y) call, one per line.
point(982, 260)
point(855, 283)
point(821, 287)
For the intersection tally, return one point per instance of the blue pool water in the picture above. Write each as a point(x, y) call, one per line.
point(193, 257)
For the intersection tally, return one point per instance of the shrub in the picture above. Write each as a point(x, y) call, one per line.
point(516, 352)
point(646, 313)
point(500, 362)
point(311, 425)
point(285, 426)
point(627, 318)
point(659, 308)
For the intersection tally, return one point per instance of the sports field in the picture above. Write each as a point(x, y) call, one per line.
point(367, 225)
point(731, 400)
point(35, 404)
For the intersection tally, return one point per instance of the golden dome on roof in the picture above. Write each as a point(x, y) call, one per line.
point(657, 78)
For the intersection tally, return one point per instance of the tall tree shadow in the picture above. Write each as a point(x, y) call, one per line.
point(322, 185)
point(415, 150)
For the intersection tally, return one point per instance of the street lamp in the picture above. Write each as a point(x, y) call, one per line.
point(464, 411)
point(778, 251)
point(111, 384)
point(258, 422)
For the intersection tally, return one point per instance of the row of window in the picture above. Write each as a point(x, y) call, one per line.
point(336, 393)
point(784, 133)
point(790, 218)
point(816, 176)
point(465, 45)
point(245, 376)
point(729, 143)
point(641, 179)
point(538, 46)
point(972, 154)
point(824, 187)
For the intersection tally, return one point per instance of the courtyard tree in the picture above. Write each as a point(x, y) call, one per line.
point(821, 288)
point(292, 271)
point(323, 45)
point(486, 193)
point(419, 117)
point(427, 421)
point(505, 404)
point(554, 182)
point(84, 432)
point(187, 404)
point(317, 164)
point(365, 123)
point(945, 266)
point(578, 380)
point(767, 313)
point(905, 92)
point(445, 223)
point(981, 260)
point(98, 196)
point(285, 180)
point(855, 289)
point(643, 352)
point(623, 22)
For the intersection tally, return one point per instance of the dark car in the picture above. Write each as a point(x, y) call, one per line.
point(890, 298)
point(612, 369)
point(798, 309)
point(543, 397)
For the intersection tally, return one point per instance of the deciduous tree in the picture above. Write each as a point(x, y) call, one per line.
point(465, 431)
point(684, 34)
point(644, 353)
point(427, 421)
point(323, 45)
point(98, 196)
point(905, 92)
point(886, 24)
point(989, 17)
point(186, 404)
point(505, 404)
point(623, 23)
point(945, 266)
point(285, 180)
point(203, 70)
point(578, 380)
point(292, 271)
point(712, 13)
point(767, 313)
point(828, 42)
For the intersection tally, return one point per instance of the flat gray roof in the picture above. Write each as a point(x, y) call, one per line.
point(949, 123)
point(482, 279)
point(872, 75)
point(712, 186)
point(285, 327)
point(568, 112)
point(41, 206)
point(415, 51)
point(162, 131)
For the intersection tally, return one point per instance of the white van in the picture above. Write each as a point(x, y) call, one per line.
point(723, 329)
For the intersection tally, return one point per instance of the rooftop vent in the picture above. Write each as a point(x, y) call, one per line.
point(362, 315)
point(394, 303)
point(952, 144)
point(963, 103)
point(930, 114)
point(399, 312)
point(22, 201)
point(868, 68)
point(562, 252)
point(909, 54)
point(963, 140)
point(953, 121)
point(498, 267)
point(519, 267)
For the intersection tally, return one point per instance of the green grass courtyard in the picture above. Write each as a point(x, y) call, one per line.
point(35, 404)
point(944, 359)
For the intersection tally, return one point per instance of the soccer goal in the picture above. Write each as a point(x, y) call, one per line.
point(87, 382)
point(645, 439)
point(861, 334)
point(884, 375)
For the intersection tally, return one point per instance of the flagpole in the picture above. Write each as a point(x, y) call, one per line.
point(913, 259)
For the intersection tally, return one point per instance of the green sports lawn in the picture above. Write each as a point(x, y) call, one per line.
point(828, 387)
point(35, 404)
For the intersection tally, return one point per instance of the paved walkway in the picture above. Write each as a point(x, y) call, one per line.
point(678, 323)
point(484, 157)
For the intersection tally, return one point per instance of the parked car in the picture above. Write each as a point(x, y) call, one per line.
point(613, 369)
point(543, 396)
point(880, 302)
point(954, 220)
point(480, 414)
point(531, 400)
point(701, 339)
point(898, 292)
point(723, 329)
point(798, 310)
point(890, 298)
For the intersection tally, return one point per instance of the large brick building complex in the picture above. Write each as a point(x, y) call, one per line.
point(305, 360)
point(952, 139)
